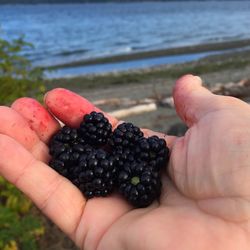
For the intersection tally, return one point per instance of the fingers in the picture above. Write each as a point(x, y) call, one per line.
point(53, 194)
point(61, 201)
point(70, 108)
point(192, 101)
point(37, 116)
point(99, 215)
point(15, 126)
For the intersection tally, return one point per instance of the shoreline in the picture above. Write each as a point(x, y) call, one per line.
point(210, 64)
point(192, 49)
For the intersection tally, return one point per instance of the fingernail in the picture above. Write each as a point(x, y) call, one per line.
point(199, 79)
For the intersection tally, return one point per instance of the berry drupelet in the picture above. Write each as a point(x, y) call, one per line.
point(95, 129)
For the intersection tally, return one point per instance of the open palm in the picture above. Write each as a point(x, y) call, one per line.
point(206, 188)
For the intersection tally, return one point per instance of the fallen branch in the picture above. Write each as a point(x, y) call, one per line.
point(136, 110)
point(239, 90)
point(122, 101)
point(167, 102)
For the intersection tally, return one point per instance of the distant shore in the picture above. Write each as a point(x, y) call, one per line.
point(234, 61)
point(192, 49)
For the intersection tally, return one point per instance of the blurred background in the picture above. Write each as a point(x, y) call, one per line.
point(122, 55)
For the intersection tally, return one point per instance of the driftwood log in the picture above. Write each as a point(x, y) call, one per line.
point(239, 90)
point(135, 107)
point(123, 101)
point(135, 110)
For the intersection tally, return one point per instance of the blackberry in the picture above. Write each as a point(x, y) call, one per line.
point(95, 174)
point(122, 155)
point(66, 146)
point(65, 134)
point(125, 135)
point(139, 184)
point(63, 140)
point(152, 150)
point(59, 167)
point(66, 162)
point(95, 128)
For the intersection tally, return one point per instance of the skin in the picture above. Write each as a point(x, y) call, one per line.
point(206, 187)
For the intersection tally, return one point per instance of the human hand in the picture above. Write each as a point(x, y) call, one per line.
point(204, 204)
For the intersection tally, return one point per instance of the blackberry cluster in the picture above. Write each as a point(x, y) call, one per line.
point(66, 147)
point(97, 160)
point(139, 162)
point(139, 184)
point(152, 150)
point(125, 135)
point(95, 174)
point(81, 160)
point(95, 128)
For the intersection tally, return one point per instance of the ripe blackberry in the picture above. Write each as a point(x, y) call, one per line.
point(95, 128)
point(66, 162)
point(95, 174)
point(125, 135)
point(63, 140)
point(122, 155)
point(59, 167)
point(66, 146)
point(139, 184)
point(152, 150)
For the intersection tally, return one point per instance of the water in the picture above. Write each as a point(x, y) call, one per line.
point(132, 64)
point(65, 33)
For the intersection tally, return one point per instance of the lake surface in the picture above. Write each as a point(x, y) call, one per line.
point(63, 33)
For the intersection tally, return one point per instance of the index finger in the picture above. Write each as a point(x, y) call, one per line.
point(70, 108)
point(37, 117)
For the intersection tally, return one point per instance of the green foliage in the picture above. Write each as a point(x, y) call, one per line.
point(13, 64)
point(11, 89)
point(19, 229)
point(17, 77)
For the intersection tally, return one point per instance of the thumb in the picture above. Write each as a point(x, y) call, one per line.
point(192, 101)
